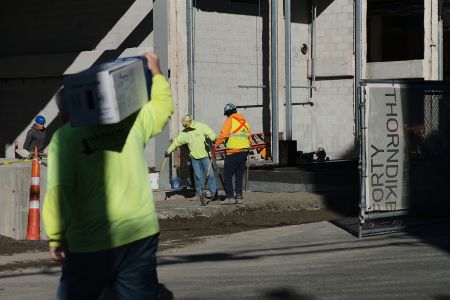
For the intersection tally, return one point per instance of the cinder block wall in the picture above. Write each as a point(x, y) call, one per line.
point(232, 49)
point(228, 53)
point(329, 123)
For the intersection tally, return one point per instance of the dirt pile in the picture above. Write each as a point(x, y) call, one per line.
point(184, 221)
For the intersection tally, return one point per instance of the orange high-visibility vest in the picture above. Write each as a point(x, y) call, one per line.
point(239, 134)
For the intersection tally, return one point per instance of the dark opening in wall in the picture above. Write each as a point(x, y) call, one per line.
point(395, 30)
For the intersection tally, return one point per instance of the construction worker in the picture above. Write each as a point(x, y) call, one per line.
point(235, 134)
point(98, 212)
point(36, 135)
point(195, 135)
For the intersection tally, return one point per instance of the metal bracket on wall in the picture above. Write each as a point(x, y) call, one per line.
point(304, 87)
point(302, 103)
point(248, 106)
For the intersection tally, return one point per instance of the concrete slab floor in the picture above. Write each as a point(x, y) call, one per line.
point(309, 261)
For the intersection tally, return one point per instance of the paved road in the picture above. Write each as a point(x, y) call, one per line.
point(310, 261)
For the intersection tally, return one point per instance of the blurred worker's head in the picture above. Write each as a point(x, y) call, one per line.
point(39, 121)
point(61, 103)
point(186, 121)
point(229, 109)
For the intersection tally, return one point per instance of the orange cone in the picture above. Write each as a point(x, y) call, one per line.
point(34, 218)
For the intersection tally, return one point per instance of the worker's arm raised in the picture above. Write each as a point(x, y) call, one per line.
point(154, 115)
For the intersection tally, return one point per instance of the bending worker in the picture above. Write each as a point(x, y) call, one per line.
point(195, 135)
point(98, 212)
point(236, 135)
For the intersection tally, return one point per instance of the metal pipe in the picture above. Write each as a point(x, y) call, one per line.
point(313, 44)
point(249, 106)
point(251, 86)
point(358, 60)
point(287, 68)
point(190, 55)
point(361, 109)
point(302, 87)
point(358, 42)
point(303, 103)
point(274, 79)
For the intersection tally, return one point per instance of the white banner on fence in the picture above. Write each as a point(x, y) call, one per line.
point(385, 148)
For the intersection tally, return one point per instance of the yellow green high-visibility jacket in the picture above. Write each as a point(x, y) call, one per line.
point(194, 137)
point(98, 193)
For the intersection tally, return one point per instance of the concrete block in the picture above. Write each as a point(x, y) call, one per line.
point(15, 181)
point(395, 69)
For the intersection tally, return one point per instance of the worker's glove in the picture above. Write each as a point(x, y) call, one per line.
point(166, 154)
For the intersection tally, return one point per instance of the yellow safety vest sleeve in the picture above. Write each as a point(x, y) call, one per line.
point(98, 194)
point(194, 137)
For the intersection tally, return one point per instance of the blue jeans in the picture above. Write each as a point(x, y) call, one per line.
point(200, 167)
point(234, 165)
point(129, 271)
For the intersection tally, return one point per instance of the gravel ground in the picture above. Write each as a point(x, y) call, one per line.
point(183, 221)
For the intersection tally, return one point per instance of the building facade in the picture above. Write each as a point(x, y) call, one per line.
point(220, 52)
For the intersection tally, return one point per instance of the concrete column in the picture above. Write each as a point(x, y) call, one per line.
point(178, 58)
point(160, 44)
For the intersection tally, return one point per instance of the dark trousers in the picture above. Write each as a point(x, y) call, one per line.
point(129, 271)
point(234, 165)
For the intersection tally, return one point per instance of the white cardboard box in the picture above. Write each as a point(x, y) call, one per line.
point(107, 93)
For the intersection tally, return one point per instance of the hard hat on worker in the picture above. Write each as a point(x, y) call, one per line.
point(186, 121)
point(229, 109)
point(40, 120)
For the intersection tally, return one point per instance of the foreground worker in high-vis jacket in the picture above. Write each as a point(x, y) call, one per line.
point(195, 135)
point(236, 135)
point(99, 213)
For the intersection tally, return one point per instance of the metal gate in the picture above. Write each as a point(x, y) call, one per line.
point(404, 136)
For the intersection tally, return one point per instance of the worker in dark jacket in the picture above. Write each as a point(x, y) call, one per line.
point(36, 136)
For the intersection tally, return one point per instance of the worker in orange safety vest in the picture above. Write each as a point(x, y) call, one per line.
point(236, 135)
